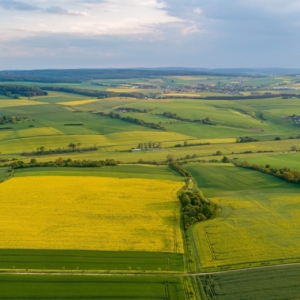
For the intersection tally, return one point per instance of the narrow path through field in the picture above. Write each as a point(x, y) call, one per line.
point(163, 274)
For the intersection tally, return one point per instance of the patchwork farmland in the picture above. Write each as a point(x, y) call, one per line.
point(111, 222)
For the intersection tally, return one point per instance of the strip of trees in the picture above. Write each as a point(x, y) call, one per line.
point(246, 139)
point(149, 145)
point(14, 120)
point(14, 91)
point(133, 120)
point(186, 144)
point(60, 162)
point(92, 93)
point(72, 147)
point(172, 115)
point(132, 109)
point(282, 173)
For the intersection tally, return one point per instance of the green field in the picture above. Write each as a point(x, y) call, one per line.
point(129, 171)
point(277, 283)
point(278, 161)
point(4, 173)
point(90, 287)
point(89, 260)
point(258, 220)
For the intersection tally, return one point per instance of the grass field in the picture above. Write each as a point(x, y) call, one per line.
point(279, 283)
point(90, 213)
point(258, 222)
point(4, 173)
point(78, 102)
point(130, 139)
point(75, 260)
point(128, 171)
point(90, 287)
point(16, 103)
point(278, 161)
point(29, 132)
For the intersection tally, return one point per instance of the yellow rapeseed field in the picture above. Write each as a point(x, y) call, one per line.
point(92, 213)
point(78, 102)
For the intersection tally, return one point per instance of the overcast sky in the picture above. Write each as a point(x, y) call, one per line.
point(36, 34)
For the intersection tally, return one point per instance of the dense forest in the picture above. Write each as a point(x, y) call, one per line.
point(14, 91)
point(196, 208)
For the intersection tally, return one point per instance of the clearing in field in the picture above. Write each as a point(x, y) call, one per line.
point(78, 102)
point(90, 213)
point(259, 223)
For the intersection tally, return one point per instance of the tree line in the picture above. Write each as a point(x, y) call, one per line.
point(72, 147)
point(246, 139)
point(149, 145)
point(172, 115)
point(92, 93)
point(132, 109)
point(60, 162)
point(14, 120)
point(283, 173)
point(14, 91)
point(186, 144)
point(132, 120)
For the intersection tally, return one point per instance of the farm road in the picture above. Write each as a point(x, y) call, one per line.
point(59, 273)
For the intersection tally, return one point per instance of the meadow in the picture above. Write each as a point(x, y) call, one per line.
point(258, 220)
point(89, 213)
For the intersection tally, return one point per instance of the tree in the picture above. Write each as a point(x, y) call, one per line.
point(294, 148)
point(277, 138)
point(288, 176)
point(219, 152)
point(170, 157)
point(72, 146)
point(33, 161)
point(225, 159)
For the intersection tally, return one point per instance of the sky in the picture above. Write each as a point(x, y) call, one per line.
point(40, 34)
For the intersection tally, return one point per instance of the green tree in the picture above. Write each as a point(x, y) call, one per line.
point(288, 176)
point(170, 157)
point(225, 159)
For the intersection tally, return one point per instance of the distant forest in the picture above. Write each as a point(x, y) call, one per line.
point(79, 75)
point(14, 91)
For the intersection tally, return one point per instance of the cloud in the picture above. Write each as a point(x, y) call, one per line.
point(17, 5)
point(57, 10)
